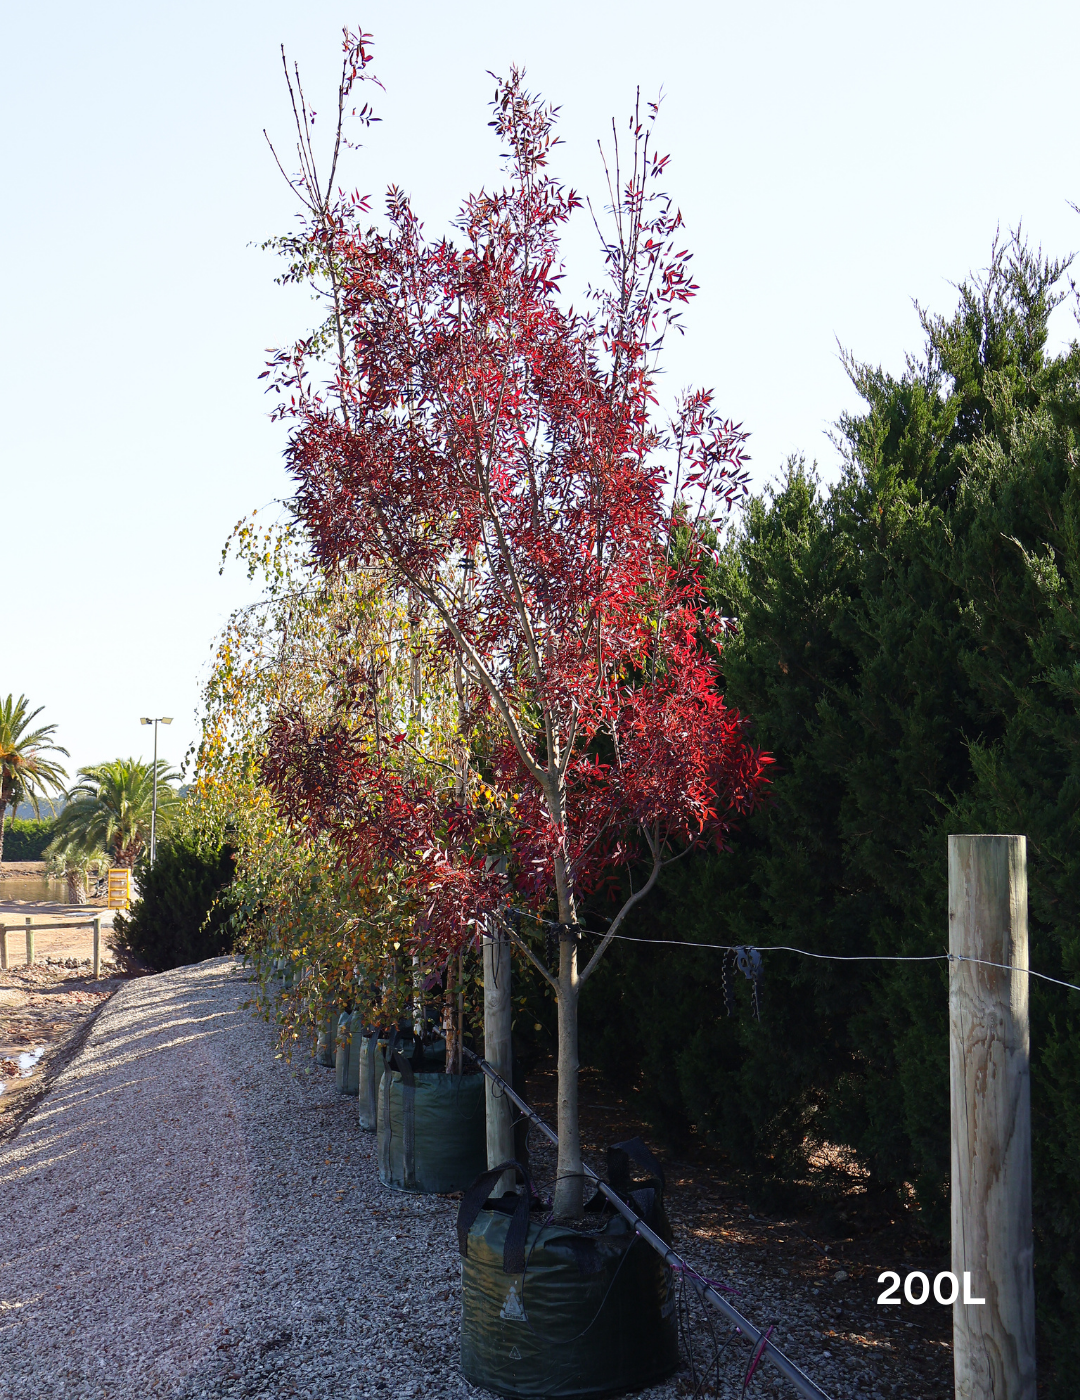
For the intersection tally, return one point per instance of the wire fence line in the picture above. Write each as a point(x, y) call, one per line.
point(856, 957)
point(804, 952)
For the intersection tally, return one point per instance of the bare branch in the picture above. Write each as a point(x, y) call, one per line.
point(524, 948)
point(635, 898)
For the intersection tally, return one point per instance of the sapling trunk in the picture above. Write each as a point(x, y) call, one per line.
point(570, 1180)
point(417, 996)
point(498, 1051)
point(454, 1014)
point(460, 1008)
point(450, 1020)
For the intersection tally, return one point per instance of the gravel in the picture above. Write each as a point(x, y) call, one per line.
point(187, 1216)
point(42, 1010)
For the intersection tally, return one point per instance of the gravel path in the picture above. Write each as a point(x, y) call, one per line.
point(187, 1216)
point(41, 1008)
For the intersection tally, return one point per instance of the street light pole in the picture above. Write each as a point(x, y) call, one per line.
point(161, 719)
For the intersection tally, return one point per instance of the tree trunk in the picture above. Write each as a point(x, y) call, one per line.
point(450, 1029)
point(417, 997)
point(76, 886)
point(570, 1182)
point(3, 818)
point(498, 1051)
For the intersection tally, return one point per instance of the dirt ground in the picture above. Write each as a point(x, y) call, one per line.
point(44, 1008)
point(21, 870)
point(61, 945)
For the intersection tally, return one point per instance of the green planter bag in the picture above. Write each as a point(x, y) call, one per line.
point(432, 1135)
point(356, 1047)
point(326, 1043)
point(372, 1064)
point(553, 1312)
point(342, 1046)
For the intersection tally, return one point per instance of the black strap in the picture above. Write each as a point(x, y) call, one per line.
point(397, 1060)
point(517, 1233)
point(636, 1151)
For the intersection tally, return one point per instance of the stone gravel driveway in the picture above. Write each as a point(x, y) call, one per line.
point(187, 1216)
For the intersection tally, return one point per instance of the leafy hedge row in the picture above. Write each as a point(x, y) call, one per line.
point(909, 649)
point(26, 839)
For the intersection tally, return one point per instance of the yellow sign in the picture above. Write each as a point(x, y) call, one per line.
point(120, 888)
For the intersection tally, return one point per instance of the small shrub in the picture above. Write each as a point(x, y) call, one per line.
point(26, 839)
point(182, 914)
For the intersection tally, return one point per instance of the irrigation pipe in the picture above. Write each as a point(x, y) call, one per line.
point(802, 1383)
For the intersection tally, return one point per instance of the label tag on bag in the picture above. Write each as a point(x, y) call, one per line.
point(511, 1310)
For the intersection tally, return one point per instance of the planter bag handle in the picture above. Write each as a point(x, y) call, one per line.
point(647, 1199)
point(472, 1203)
point(621, 1154)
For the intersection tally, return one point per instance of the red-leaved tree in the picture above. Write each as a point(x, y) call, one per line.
point(500, 455)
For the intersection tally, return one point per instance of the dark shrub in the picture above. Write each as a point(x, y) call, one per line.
point(907, 644)
point(182, 913)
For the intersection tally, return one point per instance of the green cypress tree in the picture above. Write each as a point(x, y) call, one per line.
point(182, 913)
point(909, 646)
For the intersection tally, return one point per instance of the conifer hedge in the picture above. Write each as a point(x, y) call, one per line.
point(908, 646)
point(182, 913)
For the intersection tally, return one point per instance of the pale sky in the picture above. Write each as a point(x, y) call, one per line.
point(833, 163)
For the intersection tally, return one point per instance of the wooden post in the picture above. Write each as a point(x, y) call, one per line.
point(97, 945)
point(993, 1340)
point(29, 941)
point(3, 947)
point(498, 1018)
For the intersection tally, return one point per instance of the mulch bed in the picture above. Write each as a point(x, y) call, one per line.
point(793, 1259)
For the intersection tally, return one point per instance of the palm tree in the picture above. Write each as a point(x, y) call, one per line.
point(109, 809)
point(74, 865)
point(25, 770)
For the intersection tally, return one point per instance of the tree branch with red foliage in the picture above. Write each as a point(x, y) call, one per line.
point(498, 454)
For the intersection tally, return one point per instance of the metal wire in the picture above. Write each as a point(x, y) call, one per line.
point(805, 953)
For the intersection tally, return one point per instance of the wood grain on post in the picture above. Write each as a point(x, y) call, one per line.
point(3, 947)
point(29, 941)
point(97, 945)
point(989, 1056)
point(498, 1052)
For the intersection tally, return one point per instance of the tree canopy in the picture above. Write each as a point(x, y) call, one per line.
point(499, 455)
point(27, 767)
point(109, 809)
